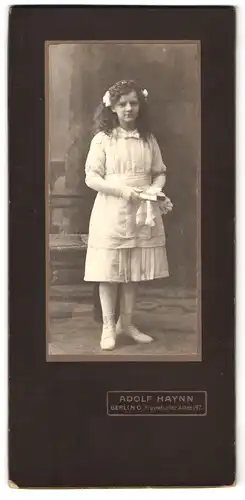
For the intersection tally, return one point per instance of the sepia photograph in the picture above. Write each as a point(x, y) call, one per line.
point(123, 200)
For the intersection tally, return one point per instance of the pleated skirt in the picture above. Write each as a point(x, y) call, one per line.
point(126, 264)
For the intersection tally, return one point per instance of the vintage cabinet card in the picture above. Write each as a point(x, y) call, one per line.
point(121, 167)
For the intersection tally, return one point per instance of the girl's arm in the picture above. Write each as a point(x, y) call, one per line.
point(159, 181)
point(95, 171)
point(158, 168)
point(101, 185)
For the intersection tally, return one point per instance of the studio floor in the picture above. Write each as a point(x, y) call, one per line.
point(169, 316)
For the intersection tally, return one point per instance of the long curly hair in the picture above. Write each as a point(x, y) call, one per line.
point(104, 118)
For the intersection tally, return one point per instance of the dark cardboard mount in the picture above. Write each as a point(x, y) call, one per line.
point(60, 434)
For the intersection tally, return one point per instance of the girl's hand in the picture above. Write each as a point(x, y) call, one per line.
point(165, 206)
point(153, 190)
point(130, 193)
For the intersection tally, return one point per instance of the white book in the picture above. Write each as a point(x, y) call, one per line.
point(152, 197)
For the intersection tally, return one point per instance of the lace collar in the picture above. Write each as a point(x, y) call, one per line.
point(126, 134)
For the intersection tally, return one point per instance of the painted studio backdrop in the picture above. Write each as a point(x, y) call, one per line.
point(78, 76)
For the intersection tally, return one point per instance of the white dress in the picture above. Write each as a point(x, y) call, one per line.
point(120, 250)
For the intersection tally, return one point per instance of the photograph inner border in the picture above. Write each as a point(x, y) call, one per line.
point(117, 357)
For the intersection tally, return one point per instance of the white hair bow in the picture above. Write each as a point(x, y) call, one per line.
point(107, 99)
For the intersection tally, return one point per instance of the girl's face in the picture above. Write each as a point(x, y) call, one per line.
point(127, 109)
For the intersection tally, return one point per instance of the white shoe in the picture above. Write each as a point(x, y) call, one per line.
point(138, 336)
point(134, 333)
point(107, 342)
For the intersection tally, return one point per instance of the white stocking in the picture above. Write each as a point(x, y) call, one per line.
point(127, 303)
point(108, 297)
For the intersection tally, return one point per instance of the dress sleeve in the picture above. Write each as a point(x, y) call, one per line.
point(157, 165)
point(95, 170)
point(95, 162)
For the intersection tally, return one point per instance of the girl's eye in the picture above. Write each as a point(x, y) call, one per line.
point(132, 103)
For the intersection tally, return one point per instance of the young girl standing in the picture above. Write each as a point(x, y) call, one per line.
point(126, 243)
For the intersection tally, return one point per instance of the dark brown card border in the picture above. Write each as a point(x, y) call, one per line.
point(60, 435)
